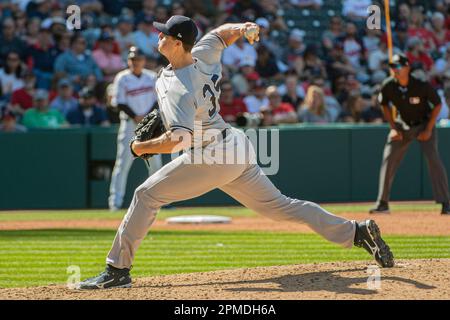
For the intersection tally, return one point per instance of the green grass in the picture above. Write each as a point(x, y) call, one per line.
point(41, 257)
point(31, 258)
point(165, 213)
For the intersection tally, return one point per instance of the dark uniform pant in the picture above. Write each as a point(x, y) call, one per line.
point(394, 151)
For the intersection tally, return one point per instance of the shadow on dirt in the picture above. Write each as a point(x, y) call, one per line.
point(331, 281)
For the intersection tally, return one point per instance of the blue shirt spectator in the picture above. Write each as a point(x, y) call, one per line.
point(146, 39)
point(76, 62)
point(93, 116)
point(86, 113)
point(64, 101)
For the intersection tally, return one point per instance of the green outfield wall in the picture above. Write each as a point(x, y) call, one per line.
point(71, 168)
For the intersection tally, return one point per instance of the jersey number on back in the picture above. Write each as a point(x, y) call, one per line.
point(207, 88)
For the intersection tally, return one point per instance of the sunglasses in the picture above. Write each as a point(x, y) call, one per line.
point(396, 66)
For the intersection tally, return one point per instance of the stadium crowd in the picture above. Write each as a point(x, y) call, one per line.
point(52, 76)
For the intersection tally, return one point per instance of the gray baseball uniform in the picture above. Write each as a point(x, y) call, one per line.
point(139, 94)
point(187, 96)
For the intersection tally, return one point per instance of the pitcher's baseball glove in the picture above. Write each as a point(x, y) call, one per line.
point(149, 128)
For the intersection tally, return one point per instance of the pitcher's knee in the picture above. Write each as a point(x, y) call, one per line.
point(310, 204)
point(148, 196)
point(142, 193)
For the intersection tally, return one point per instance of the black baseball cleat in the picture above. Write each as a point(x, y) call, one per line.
point(445, 208)
point(110, 278)
point(381, 207)
point(368, 237)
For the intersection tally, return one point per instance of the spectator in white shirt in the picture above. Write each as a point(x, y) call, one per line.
point(445, 98)
point(258, 99)
point(238, 51)
point(379, 56)
point(356, 10)
point(353, 46)
point(10, 75)
point(371, 39)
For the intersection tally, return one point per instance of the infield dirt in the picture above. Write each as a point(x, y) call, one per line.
point(410, 279)
point(398, 223)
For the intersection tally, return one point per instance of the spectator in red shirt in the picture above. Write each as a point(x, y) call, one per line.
point(8, 123)
point(230, 106)
point(277, 112)
point(22, 99)
point(417, 54)
point(416, 29)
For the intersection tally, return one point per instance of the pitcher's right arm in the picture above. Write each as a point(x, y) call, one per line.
point(230, 32)
point(209, 48)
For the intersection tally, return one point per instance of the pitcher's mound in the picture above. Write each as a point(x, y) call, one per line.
point(203, 219)
point(410, 279)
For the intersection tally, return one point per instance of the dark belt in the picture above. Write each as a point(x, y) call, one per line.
point(416, 123)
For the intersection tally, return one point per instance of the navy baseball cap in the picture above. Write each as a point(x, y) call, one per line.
point(134, 52)
point(179, 27)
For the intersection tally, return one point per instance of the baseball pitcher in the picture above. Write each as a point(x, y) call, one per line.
point(188, 92)
point(134, 94)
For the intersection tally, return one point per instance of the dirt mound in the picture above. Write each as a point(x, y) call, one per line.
point(410, 279)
